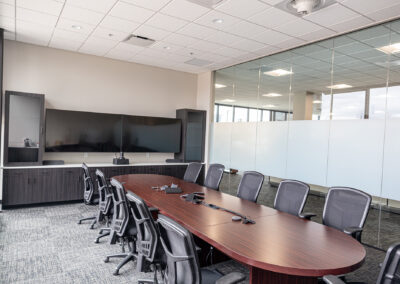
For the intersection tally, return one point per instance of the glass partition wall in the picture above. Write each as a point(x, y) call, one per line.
point(327, 114)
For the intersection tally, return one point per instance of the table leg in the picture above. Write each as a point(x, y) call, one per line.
point(260, 276)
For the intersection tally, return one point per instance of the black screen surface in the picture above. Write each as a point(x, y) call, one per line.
point(75, 131)
point(151, 134)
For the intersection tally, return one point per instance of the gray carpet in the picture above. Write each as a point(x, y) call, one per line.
point(45, 245)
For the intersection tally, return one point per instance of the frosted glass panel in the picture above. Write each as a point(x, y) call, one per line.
point(308, 151)
point(355, 154)
point(271, 148)
point(243, 146)
point(221, 144)
point(391, 179)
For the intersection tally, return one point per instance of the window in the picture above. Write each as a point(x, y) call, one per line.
point(216, 113)
point(322, 107)
point(377, 102)
point(225, 113)
point(240, 114)
point(348, 105)
point(280, 116)
point(266, 115)
point(254, 115)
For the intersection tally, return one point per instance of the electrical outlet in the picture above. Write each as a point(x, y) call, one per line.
point(85, 155)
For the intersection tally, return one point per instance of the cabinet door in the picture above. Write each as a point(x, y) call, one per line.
point(50, 185)
point(15, 187)
point(35, 193)
point(72, 184)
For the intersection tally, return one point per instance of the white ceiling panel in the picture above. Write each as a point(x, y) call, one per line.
point(351, 24)
point(224, 38)
point(69, 25)
point(69, 35)
point(181, 39)
point(298, 28)
point(110, 34)
point(9, 2)
point(36, 17)
point(272, 17)
point(131, 12)
point(154, 5)
point(197, 31)
point(249, 45)
point(229, 52)
point(62, 43)
point(7, 10)
point(165, 46)
point(211, 17)
point(101, 6)
point(271, 37)
point(120, 54)
point(246, 29)
point(184, 10)
point(44, 6)
point(128, 47)
point(237, 9)
point(82, 15)
point(385, 13)
point(7, 23)
point(97, 46)
point(331, 15)
point(166, 22)
point(118, 24)
point(368, 6)
point(206, 46)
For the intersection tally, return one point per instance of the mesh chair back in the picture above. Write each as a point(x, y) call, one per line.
point(291, 196)
point(148, 235)
point(192, 172)
point(105, 195)
point(390, 272)
point(250, 186)
point(214, 176)
point(121, 210)
point(88, 188)
point(182, 261)
point(345, 207)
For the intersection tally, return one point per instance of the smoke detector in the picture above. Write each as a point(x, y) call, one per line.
point(207, 3)
point(139, 40)
point(303, 7)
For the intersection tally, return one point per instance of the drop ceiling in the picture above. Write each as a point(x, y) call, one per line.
point(183, 30)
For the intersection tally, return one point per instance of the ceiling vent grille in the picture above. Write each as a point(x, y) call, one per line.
point(207, 3)
point(303, 7)
point(139, 40)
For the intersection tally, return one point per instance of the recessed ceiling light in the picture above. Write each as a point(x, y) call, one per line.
point(110, 35)
point(272, 95)
point(339, 86)
point(167, 47)
point(218, 21)
point(228, 101)
point(278, 72)
point(390, 49)
point(317, 102)
point(269, 106)
point(76, 27)
point(219, 86)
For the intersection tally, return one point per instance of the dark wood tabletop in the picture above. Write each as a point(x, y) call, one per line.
point(279, 248)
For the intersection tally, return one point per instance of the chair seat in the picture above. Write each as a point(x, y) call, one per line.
point(209, 276)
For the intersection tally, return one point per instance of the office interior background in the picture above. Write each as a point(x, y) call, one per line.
point(313, 98)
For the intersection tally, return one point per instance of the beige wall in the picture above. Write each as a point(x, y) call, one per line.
point(82, 82)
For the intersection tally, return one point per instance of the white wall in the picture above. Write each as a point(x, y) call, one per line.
point(82, 82)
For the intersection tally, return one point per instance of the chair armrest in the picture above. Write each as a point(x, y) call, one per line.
point(307, 216)
point(352, 230)
point(231, 278)
point(154, 209)
point(330, 279)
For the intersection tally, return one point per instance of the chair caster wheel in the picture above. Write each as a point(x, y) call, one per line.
point(91, 227)
point(116, 272)
point(106, 260)
point(79, 222)
point(96, 241)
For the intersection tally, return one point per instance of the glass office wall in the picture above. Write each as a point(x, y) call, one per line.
point(327, 114)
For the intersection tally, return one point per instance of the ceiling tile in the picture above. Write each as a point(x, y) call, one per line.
point(7, 10)
point(271, 37)
point(272, 17)
point(97, 46)
point(351, 24)
point(317, 35)
point(166, 46)
point(33, 39)
point(181, 39)
point(197, 31)
point(82, 15)
point(208, 20)
point(66, 24)
point(9, 2)
point(118, 24)
point(229, 52)
point(385, 13)
point(290, 43)
point(331, 15)
point(150, 32)
point(166, 22)
point(206, 46)
point(298, 28)
point(271, 2)
point(36, 17)
point(249, 45)
point(44, 6)
point(266, 50)
point(188, 51)
point(9, 35)
point(128, 47)
point(131, 12)
point(62, 43)
point(184, 9)
point(224, 38)
point(368, 6)
point(237, 9)
point(110, 34)
point(154, 5)
point(246, 29)
point(7, 23)
point(120, 54)
point(101, 6)
point(69, 35)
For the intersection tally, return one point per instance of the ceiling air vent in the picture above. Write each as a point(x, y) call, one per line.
point(139, 40)
point(198, 62)
point(207, 3)
point(303, 7)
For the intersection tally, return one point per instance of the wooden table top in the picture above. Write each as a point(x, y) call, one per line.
point(278, 242)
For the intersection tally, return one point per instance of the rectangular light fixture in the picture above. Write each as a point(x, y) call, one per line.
point(317, 102)
point(219, 86)
point(278, 72)
point(339, 86)
point(272, 95)
point(390, 49)
point(267, 106)
point(228, 101)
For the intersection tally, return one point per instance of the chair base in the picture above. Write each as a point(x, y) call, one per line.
point(127, 257)
point(89, 218)
point(102, 233)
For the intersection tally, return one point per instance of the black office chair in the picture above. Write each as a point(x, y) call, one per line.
point(89, 196)
point(123, 226)
point(192, 172)
point(250, 185)
point(214, 176)
point(390, 271)
point(148, 238)
point(291, 196)
point(182, 261)
point(105, 205)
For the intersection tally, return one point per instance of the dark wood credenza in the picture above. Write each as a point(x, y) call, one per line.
point(35, 185)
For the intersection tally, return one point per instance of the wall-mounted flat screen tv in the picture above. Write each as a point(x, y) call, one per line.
point(76, 131)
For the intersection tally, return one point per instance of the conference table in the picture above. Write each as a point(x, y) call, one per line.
point(278, 248)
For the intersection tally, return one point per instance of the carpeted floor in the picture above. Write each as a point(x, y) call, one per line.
point(45, 245)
